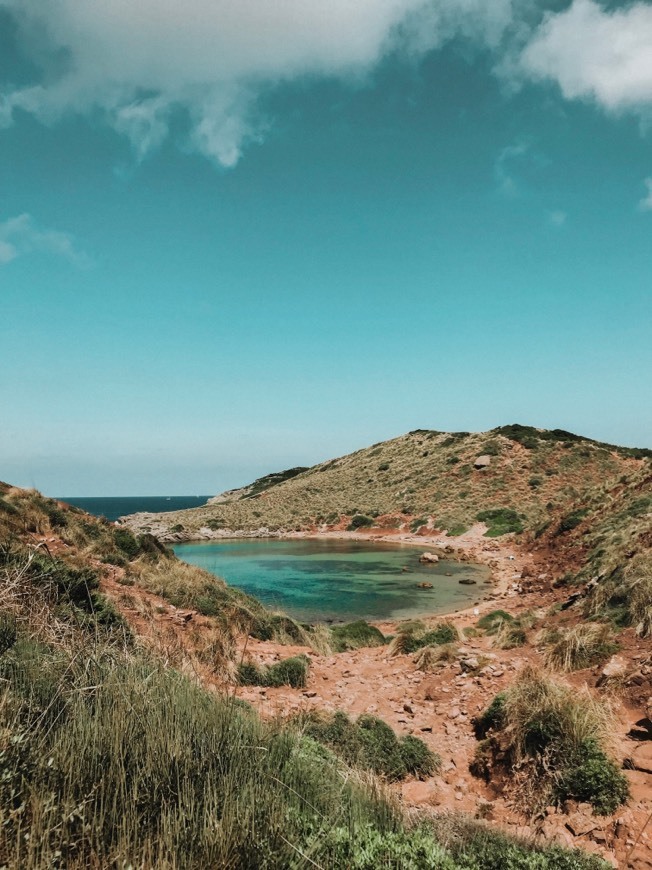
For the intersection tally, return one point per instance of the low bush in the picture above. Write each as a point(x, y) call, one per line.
point(570, 521)
point(409, 640)
point(492, 622)
point(370, 743)
point(288, 672)
point(500, 521)
point(493, 718)
point(126, 542)
point(359, 521)
point(554, 739)
point(355, 635)
point(416, 524)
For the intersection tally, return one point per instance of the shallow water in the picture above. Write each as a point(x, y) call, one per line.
point(319, 580)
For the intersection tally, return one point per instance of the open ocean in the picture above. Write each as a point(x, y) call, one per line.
point(120, 506)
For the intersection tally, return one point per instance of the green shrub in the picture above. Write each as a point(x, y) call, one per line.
point(288, 672)
point(126, 543)
point(370, 743)
point(418, 759)
point(359, 521)
point(491, 718)
point(355, 635)
point(415, 525)
point(590, 775)
point(409, 639)
point(571, 521)
point(456, 529)
point(500, 521)
point(492, 622)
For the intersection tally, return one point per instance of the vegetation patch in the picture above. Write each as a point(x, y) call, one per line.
point(500, 521)
point(411, 637)
point(582, 646)
point(571, 521)
point(493, 621)
point(553, 740)
point(355, 635)
point(359, 521)
point(371, 744)
point(288, 672)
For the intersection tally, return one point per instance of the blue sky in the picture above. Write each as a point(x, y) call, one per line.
point(234, 240)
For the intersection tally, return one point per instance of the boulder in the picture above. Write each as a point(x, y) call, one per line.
point(482, 461)
point(431, 558)
point(641, 757)
point(615, 667)
point(579, 824)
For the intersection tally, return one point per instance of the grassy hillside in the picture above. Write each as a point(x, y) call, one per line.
point(418, 478)
point(109, 757)
point(606, 540)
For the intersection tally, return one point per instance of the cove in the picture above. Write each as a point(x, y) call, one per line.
point(316, 580)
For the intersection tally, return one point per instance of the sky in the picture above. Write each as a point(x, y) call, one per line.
point(241, 235)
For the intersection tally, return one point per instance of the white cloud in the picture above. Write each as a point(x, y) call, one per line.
point(138, 62)
point(21, 235)
point(646, 203)
point(596, 54)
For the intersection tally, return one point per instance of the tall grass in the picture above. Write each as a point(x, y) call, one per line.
point(581, 646)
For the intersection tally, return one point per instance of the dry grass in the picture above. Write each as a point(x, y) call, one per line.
point(582, 646)
point(431, 658)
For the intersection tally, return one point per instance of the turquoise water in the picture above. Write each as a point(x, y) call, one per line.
point(318, 580)
point(120, 506)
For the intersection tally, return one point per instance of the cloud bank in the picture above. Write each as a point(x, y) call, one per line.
point(21, 235)
point(596, 54)
point(139, 64)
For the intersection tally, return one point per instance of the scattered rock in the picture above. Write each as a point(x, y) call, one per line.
point(482, 461)
point(431, 558)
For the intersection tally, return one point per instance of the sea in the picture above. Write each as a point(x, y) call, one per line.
point(120, 506)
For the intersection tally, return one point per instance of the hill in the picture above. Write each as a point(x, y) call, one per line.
point(445, 481)
point(122, 741)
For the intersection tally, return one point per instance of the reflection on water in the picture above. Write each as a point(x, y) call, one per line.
point(315, 580)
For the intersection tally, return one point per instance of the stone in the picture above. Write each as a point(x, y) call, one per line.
point(432, 558)
point(615, 667)
point(579, 824)
point(470, 663)
point(483, 461)
point(641, 757)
